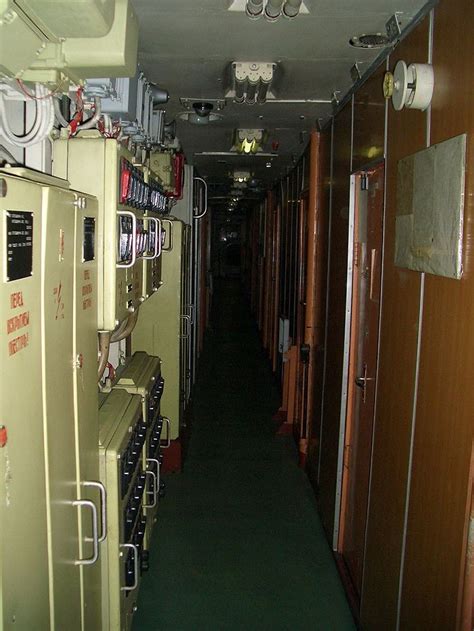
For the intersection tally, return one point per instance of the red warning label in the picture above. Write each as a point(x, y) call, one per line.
point(18, 344)
point(18, 322)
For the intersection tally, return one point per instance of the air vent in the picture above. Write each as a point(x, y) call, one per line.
point(370, 40)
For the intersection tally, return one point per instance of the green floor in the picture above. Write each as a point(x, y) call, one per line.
point(239, 544)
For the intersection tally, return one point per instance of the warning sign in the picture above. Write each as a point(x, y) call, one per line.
point(19, 244)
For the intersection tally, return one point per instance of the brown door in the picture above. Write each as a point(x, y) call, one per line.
point(362, 368)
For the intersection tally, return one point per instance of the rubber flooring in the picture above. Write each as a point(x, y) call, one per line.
point(239, 544)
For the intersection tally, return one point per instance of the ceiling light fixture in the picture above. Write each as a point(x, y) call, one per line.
point(254, 9)
point(251, 81)
point(369, 40)
point(202, 114)
point(248, 141)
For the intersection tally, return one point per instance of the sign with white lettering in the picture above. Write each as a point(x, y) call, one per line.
point(19, 250)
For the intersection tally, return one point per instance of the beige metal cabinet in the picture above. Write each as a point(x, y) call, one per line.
point(121, 438)
point(51, 458)
point(96, 165)
point(142, 376)
point(23, 525)
point(163, 327)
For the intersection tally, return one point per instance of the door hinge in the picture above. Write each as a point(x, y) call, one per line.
point(364, 182)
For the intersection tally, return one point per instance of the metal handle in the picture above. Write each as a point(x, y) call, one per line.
point(155, 489)
point(158, 471)
point(150, 257)
point(95, 537)
point(170, 246)
point(191, 308)
point(199, 179)
point(135, 566)
point(160, 243)
point(187, 334)
point(128, 213)
point(361, 382)
point(168, 432)
point(103, 507)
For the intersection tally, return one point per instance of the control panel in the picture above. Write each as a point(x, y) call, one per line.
point(126, 237)
point(142, 376)
point(157, 226)
point(121, 441)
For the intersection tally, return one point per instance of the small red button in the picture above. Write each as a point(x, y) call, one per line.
point(3, 436)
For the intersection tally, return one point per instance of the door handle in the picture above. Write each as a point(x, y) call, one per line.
point(170, 241)
point(155, 489)
point(133, 547)
point(103, 507)
point(187, 333)
point(168, 432)
point(361, 382)
point(95, 533)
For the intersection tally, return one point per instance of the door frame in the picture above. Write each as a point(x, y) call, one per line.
point(367, 169)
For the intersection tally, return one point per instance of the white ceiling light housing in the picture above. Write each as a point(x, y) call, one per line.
point(291, 8)
point(251, 8)
point(251, 81)
point(410, 87)
point(197, 119)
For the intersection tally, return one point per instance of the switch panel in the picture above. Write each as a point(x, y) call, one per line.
point(121, 438)
point(104, 168)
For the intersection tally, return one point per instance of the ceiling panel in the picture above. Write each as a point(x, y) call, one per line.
point(187, 46)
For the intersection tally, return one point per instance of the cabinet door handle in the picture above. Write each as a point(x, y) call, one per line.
point(168, 432)
point(128, 213)
point(103, 507)
point(95, 536)
point(133, 547)
point(155, 489)
point(170, 245)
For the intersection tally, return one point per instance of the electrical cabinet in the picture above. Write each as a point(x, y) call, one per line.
point(50, 461)
point(122, 434)
point(142, 376)
point(104, 168)
point(23, 523)
point(152, 261)
point(164, 326)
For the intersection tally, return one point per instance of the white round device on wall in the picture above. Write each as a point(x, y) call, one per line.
point(410, 86)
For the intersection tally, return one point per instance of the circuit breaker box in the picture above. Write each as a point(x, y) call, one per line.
point(142, 376)
point(44, 243)
point(23, 523)
point(163, 327)
point(152, 261)
point(122, 437)
point(104, 168)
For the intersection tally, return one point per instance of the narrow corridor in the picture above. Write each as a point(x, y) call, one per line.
point(239, 544)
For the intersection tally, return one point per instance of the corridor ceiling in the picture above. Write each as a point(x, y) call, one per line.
point(187, 47)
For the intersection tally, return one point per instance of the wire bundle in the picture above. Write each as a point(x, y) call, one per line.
point(42, 125)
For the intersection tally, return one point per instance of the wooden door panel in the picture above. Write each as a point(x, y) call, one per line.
point(369, 199)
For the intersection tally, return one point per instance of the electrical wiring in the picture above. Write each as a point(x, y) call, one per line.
point(42, 125)
point(34, 97)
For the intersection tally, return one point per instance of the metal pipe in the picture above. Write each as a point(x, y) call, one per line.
point(273, 9)
point(291, 8)
point(240, 91)
point(104, 346)
point(251, 91)
point(262, 91)
point(254, 9)
point(124, 330)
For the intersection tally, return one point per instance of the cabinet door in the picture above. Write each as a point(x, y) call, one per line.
point(86, 403)
point(58, 307)
point(24, 579)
